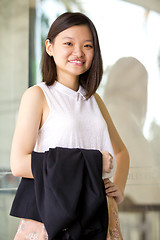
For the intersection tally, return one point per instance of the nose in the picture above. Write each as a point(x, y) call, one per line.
point(78, 51)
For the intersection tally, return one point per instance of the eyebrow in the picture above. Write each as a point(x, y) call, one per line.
point(73, 38)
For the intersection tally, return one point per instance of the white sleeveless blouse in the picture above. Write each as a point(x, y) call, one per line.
point(73, 122)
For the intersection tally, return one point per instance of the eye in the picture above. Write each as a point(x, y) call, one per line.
point(88, 46)
point(68, 43)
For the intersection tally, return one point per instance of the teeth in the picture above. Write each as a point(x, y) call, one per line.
point(75, 61)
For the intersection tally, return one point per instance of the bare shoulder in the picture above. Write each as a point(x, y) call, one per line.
point(33, 97)
point(32, 102)
point(34, 92)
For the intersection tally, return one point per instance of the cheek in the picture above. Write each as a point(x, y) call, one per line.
point(59, 57)
point(90, 57)
point(59, 51)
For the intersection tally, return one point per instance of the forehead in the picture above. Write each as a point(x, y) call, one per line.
point(76, 32)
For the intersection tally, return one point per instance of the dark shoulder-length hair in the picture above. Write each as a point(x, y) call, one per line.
point(89, 80)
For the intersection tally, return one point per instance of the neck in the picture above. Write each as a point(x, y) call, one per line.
point(70, 82)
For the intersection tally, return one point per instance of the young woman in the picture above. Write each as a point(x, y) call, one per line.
point(65, 110)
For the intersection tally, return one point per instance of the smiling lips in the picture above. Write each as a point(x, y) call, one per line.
point(77, 62)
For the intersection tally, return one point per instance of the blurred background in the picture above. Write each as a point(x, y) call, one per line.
point(130, 43)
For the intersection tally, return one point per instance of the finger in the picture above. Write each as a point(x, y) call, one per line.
point(109, 185)
point(111, 165)
point(107, 154)
point(112, 194)
point(106, 180)
point(110, 156)
point(115, 193)
point(108, 170)
point(111, 189)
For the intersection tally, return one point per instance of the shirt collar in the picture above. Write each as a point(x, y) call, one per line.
point(70, 92)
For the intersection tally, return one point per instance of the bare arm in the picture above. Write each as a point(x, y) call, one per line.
point(121, 153)
point(28, 124)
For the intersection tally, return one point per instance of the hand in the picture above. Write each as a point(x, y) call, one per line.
point(113, 190)
point(107, 161)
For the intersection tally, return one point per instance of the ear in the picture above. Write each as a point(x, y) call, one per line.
point(49, 49)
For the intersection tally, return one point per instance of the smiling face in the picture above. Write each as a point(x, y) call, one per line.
point(72, 51)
